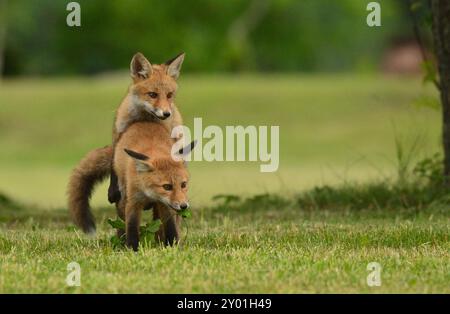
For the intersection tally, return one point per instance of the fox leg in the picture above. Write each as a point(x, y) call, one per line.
point(114, 194)
point(120, 207)
point(169, 233)
point(172, 230)
point(132, 223)
point(159, 236)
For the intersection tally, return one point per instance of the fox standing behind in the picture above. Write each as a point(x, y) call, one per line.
point(150, 98)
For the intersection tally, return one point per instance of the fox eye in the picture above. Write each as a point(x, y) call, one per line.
point(152, 94)
point(183, 184)
point(168, 187)
point(169, 95)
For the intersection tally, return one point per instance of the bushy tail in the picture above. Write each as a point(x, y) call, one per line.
point(92, 169)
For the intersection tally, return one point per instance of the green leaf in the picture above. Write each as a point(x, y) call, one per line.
point(185, 213)
point(146, 232)
point(117, 224)
point(153, 226)
point(116, 242)
point(430, 73)
point(150, 228)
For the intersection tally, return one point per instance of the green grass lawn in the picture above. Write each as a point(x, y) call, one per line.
point(269, 246)
point(334, 129)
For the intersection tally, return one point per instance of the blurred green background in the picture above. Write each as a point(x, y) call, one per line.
point(234, 35)
point(341, 91)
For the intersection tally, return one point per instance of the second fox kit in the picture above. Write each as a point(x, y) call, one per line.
point(150, 98)
point(150, 175)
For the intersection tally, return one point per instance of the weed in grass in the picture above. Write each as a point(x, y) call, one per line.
point(147, 231)
point(405, 155)
point(259, 202)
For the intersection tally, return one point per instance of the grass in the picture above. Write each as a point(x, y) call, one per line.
point(262, 234)
point(265, 243)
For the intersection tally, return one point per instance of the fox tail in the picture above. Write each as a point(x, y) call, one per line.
point(91, 170)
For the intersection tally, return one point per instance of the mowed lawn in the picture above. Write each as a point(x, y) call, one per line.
point(279, 249)
point(334, 129)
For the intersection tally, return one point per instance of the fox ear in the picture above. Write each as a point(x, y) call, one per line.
point(174, 65)
point(140, 67)
point(140, 160)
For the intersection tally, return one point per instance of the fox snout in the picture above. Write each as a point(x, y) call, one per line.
point(163, 115)
point(180, 206)
point(159, 113)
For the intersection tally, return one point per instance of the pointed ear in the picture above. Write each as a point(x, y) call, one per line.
point(187, 149)
point(140, 160)
point(140, 67)
point(174, 65)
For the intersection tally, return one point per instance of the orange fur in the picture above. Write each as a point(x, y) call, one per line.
point(143, 181)
point(138, 105)
point(96, 166)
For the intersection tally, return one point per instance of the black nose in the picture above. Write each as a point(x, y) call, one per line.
point(166, 114)
point(183, 206)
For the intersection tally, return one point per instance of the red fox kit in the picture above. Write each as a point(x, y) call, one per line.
point(147, 176)
point(147, 173)
point(150, 98)
point(151, 95)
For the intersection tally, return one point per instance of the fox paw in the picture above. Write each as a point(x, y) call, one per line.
point(113, 196)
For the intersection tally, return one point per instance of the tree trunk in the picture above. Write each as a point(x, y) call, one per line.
point(441, 37)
